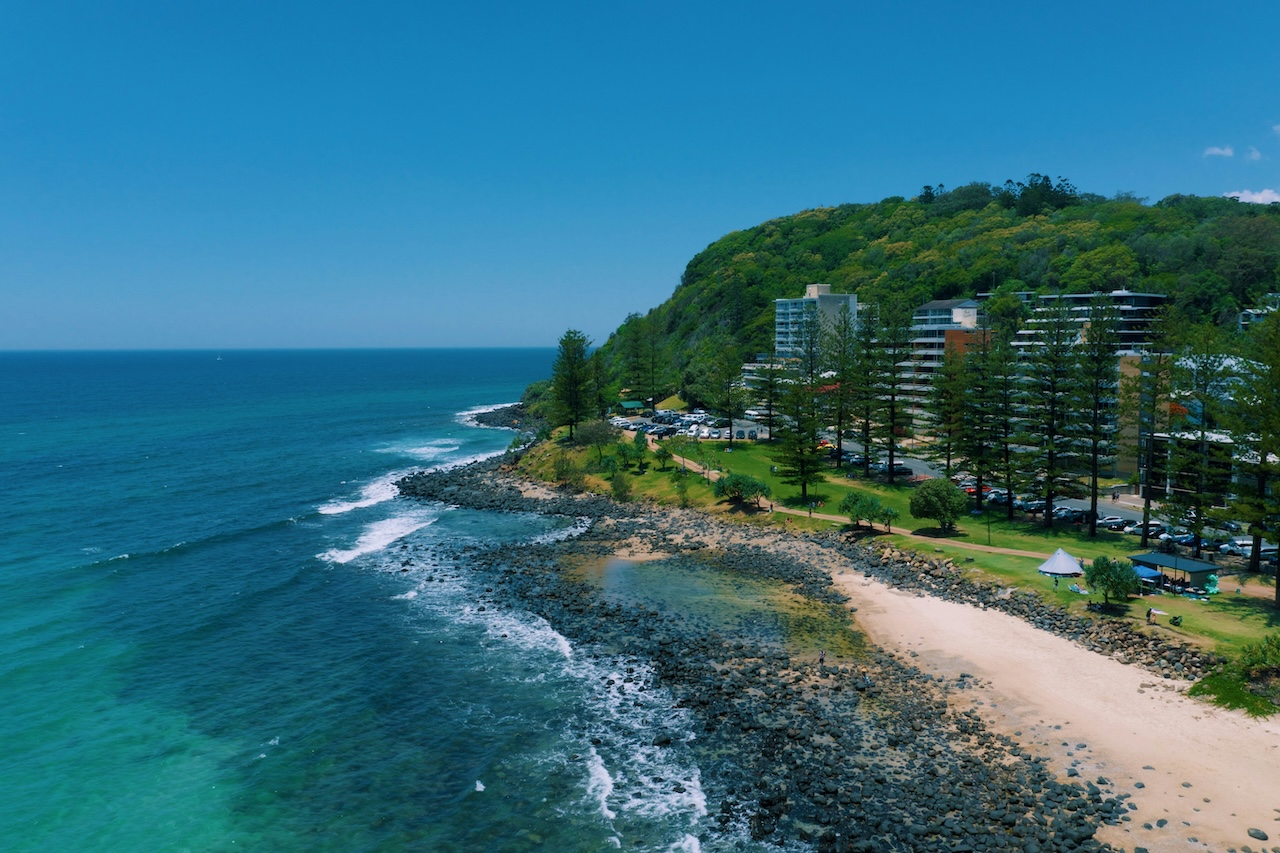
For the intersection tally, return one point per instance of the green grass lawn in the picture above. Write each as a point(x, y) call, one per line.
point(757, 460)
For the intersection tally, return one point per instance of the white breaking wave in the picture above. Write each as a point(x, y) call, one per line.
point(428, 452)
point(384, 488)
point(380, 490)
point(468, 417)
point(379, 535)
point(524, 630)
point(600, 784)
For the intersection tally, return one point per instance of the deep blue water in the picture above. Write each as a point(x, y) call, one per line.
point(206, 642)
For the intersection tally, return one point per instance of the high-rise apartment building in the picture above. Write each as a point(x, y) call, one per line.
point(795, 319)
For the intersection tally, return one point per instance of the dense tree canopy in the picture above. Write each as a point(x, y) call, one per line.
point(1213, 256)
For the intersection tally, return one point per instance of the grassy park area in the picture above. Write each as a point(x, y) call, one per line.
point(1242, 613)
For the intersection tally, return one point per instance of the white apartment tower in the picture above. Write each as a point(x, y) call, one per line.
point(793, 318)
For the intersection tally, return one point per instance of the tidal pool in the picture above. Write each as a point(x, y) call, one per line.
point(712, 598)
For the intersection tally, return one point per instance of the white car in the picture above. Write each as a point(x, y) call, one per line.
point(1239, 546)
point(705, 432)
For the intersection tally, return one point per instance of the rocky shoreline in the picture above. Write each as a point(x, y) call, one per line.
point(516, 417)
point(848, 754)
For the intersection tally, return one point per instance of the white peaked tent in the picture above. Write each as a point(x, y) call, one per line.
point(1061, 564)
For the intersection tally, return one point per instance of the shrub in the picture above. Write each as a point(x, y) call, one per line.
point(1113, 578)
point(566, 473)
point(663, 454)
point(888, 515)
point(682, 486)
point(940, 500)
point(621, 486)
point(858, 507)
point(740, 487)
point(1262, 659)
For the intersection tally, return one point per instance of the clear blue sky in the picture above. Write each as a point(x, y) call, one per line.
point(320, 174)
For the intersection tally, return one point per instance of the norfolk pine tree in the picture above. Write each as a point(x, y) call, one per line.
point(944, 409)
point(721, 384)
point(1003, 380)
point(980, 415)
point(1045, 406)
point(1203, 379)
point(1093, 399)
point(1144, 408)
point(1253, 417)
point(770, 389)
point(839, 354)
point(862, 390)
point(893, 337)
point(571, 390)
point(802, 418)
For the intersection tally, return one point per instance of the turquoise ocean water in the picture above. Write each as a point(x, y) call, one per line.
point(206, 641)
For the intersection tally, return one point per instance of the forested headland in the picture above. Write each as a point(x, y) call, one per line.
point(1211, 256)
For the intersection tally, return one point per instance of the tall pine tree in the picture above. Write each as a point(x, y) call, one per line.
point(571, 390)
point(1094, 396)
point(1047, 377)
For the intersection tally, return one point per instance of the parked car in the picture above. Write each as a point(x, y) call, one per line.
point(1113, 522)
point(1266, 551)
point(751, 435)
point(1154, 528)
point(1239, 546)
point(900, 470)
point(740, 434)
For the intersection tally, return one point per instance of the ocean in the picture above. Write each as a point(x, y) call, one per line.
point(220, 628)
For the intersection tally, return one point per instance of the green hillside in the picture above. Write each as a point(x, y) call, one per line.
point(1213, 256)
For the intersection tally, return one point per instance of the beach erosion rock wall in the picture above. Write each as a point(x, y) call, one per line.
point(861, 754)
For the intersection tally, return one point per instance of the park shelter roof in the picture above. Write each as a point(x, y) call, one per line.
point(1062, 564)
point(1177, 564)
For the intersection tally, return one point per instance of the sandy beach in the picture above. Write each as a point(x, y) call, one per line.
point(1210, 773)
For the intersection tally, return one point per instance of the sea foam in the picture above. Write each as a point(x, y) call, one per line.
point(381, 489)
point(468, 416)
point(379, 535)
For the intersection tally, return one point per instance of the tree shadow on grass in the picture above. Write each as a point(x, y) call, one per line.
point(1245, 607)
point(938, 533)
point(819, 501)
point(862, 533)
